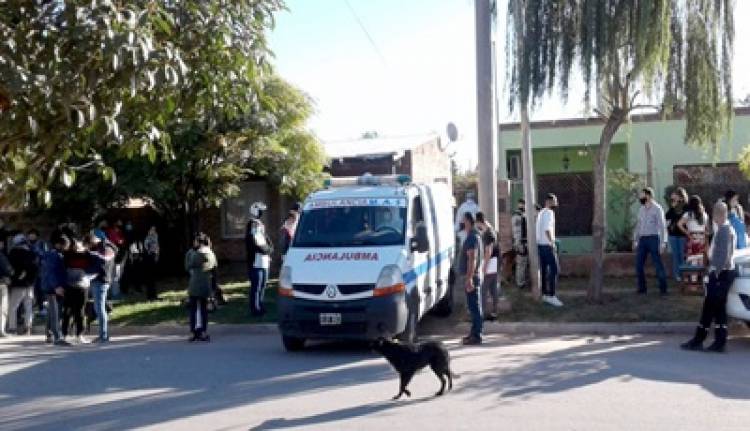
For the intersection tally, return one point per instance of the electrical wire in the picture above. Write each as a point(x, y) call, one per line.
point(367, 33)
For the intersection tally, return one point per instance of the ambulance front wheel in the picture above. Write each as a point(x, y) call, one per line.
point(293, 344)
point(412, 318)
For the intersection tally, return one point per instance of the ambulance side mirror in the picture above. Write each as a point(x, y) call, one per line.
point(420, 243)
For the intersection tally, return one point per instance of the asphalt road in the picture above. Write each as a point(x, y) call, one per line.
point(250, 383)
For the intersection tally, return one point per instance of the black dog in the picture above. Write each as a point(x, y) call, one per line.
point(407, 359)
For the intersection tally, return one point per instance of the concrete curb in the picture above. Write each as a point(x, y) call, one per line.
point(494, 328)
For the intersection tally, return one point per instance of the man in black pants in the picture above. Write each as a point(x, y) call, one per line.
point(721, 276)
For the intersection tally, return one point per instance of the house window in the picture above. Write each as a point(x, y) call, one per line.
point(515, 171)
point(235, 211)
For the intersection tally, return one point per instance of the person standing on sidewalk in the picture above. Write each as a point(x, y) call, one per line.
point(54, 278)
point(736, 218)
point(259, 250)
point(548, 264)
point(469, 271)
point(650, 237)
point(490, 282)
point(77, 264)
point(200, 263)
point(518, 222)
point(26, 270)
point(6, 273)
point(102, 253)
point(721, 275)
point(677, 238)
point(150, 262)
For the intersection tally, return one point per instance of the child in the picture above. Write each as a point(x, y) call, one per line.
point(200, 263)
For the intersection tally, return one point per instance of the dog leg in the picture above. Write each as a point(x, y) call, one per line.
point(405, 379)
point(450, 380)
point(439, 373)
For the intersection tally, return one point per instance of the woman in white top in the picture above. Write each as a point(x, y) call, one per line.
point(695, 219)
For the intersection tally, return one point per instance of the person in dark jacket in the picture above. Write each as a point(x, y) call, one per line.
point(259, 250)
point(721, 275)
point(54, 278)
point(286, 233)
point(6, 273)
point(200, 262)
point(24, 263)
point(77, 263)
point(102, 254)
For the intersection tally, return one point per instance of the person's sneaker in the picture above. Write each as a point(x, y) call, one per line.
point(554, 301)
point(61, 342)
point(471, 341)
point(82, 340)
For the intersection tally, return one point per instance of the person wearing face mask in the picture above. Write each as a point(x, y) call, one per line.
point(736, 218)
point(677, 237)
point(548, 264)
point(650, 237)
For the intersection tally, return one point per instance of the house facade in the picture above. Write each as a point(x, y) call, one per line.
point(563, 152)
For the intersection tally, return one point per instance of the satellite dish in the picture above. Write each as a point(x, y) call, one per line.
point(452, 132)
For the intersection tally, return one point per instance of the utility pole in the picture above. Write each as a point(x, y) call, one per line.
point(486, 116)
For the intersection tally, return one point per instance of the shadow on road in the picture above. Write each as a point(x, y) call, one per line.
point(597, 360)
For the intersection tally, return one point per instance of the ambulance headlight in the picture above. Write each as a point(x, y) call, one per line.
point(390, 281)
point(285, 282)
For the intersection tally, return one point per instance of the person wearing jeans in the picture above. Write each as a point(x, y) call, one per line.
point(721, 276)
point(25, 266)
point(103, 255)
point(259, 249)
point(650, 240)
point(469, 264)
point(548, 265)
point(490, 282)
point(677, 238)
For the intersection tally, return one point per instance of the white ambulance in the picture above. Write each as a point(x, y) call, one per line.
point(371, 255)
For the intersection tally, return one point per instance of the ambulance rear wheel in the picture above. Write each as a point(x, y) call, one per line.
point(293, 344)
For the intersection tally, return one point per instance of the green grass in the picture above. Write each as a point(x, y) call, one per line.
point(621, 304)
point(171, 309)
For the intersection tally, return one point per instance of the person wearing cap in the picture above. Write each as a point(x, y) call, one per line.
point(102, 261)
point(547, 246)
point(26, 269)
point(259, 250)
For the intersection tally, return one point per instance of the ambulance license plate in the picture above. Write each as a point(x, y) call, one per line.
point(328, 319)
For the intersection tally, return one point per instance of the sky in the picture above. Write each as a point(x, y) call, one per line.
point(407, 67)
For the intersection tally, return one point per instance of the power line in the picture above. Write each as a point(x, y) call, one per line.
point(364, 30)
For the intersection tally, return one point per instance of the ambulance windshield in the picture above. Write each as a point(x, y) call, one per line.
point(352, 223)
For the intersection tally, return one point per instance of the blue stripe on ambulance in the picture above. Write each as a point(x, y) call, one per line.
point(410, 277)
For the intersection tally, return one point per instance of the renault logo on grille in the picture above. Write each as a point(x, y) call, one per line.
point(331, 291)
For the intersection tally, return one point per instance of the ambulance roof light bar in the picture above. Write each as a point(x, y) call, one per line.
point(368, 180)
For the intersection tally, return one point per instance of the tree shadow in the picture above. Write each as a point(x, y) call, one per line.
point(140, 381)
point(625, 359)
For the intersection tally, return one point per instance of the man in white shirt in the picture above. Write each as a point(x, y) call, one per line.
point(650, 238)
point(548, 265)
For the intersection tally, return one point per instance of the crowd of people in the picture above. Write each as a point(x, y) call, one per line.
point(70, 277)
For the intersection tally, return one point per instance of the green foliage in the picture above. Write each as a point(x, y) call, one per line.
point(622, 194)
point(87, 78)
point(678, 51)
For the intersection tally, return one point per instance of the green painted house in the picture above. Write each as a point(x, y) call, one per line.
point(563, 152)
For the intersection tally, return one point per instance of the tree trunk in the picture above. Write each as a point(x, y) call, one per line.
point(649, 165)
point(599, 224)
point(529, 195)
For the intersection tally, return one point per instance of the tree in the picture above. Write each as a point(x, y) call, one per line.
point(675, 52)
point(86, 77)
point(208, 164)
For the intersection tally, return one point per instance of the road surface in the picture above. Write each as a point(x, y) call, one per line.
point(250, 383)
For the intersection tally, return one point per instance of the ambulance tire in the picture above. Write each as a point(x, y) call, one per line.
point(412, 319)
point(293, 344)
point(444, 307)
